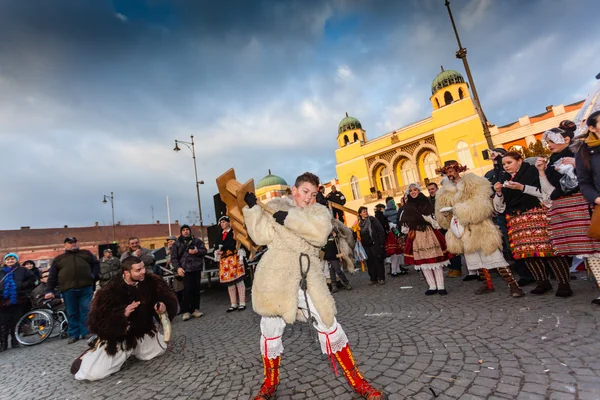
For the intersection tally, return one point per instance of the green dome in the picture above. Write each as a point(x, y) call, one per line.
point(446, 78)
point(271, 180)
point(348, 123)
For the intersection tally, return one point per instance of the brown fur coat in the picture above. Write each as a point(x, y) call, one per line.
point(277, 278)
point(471, 200)
point(107, 318)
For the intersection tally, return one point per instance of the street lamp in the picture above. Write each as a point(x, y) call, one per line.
point(462, 54)
point(112, 204)
point(190, 145)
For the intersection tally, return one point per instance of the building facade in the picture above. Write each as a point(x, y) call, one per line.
point(369, 170)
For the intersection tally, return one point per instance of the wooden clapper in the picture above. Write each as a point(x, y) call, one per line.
point(232, 194)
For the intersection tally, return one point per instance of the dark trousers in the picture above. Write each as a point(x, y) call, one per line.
point(522, 270)
point(456, 263)
point(191, 292)
point(77, 302)
point(335, 267)
point(9, 316)
point(375, 263)
point(339, 214)
point(500, 221)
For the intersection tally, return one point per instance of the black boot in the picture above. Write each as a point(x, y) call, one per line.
point(542, 287)
point(3, 338)
point(564, 290)
point(14, 343)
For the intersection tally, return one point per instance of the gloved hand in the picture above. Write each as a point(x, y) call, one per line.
point(280, 216)
point(250, 199)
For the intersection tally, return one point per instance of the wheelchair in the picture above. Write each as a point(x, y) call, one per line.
point(40, 324)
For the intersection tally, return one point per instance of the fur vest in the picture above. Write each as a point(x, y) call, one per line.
point(471, 200)
point(277, 277)
point(107, 313)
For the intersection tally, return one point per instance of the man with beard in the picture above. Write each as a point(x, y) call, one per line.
point(136, 250)
point(74, 273)
point(464, 208)
point(122, 316)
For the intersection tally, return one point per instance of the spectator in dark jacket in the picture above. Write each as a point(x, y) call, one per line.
point(136, 250)
point(187, 257)
point(321, 196)
point(109, 267)
point(74, 273)
point(379, 208)
point(332, 256)
point(587, 165)
point(16, 283)
point(432, 188)
point(30, 265)
point(37, 295)
point(338, 198)
point(372, 237)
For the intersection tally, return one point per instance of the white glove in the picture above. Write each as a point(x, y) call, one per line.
point(432, 221)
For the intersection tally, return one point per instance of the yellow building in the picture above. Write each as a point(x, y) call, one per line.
point(271, 186)
point(369, 170)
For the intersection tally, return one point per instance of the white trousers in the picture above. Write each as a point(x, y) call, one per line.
point(332, 338)
point(97, 364)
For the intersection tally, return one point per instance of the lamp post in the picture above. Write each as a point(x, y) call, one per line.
point(462, 54)
point(190, 145)
point(112, 204)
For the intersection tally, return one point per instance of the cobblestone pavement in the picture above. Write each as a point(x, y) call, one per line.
point(459, 346)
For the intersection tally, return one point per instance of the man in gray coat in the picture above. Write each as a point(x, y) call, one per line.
point(136, 250)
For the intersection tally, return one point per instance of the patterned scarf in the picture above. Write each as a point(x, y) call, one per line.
point(10, 287)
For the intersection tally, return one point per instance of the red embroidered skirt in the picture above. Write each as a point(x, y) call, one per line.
point(393, 245)
point(424, 248)
point(528, 234)
point(569, 222)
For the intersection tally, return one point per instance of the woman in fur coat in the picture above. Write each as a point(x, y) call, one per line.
point(289, 283)
point(122, 316)
point(465, 201)
point(527, 222)
point(425, 247)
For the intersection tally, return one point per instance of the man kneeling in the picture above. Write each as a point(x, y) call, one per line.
point(121, 316)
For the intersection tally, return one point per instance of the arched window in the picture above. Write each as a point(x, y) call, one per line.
point(355, 188)
point(409, 173)
point(430, 164)
point(385, 178)
point(464, 154)
point(355, 137)
point(461, 94)
point(448, 98)
point(346, 140)
point(437, 102)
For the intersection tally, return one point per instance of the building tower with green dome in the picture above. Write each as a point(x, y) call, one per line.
point(350, 131)
point(271, 186)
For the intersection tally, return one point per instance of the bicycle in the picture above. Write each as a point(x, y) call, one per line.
point(38, 325)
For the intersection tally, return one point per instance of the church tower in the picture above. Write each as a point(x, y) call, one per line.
point(447, 87)
point(349, 131)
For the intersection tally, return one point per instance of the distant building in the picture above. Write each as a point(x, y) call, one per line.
point(270, 187)
point(42, 245)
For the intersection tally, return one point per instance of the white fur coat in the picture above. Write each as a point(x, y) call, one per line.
point(277, 278)
point(471, 200)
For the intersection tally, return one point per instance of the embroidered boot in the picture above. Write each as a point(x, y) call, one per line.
point(487, 286)
point(269, 386)
point(354, 377)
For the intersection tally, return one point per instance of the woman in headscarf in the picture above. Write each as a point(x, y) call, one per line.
point(372, 238)
point(425, 246)
point(231, 267)
point(16, 284)
point(587, 164)
point(526, 209)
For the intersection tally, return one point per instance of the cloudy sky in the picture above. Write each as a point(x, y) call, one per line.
point(93, 93)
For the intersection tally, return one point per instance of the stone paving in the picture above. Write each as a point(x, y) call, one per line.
point(459, 346)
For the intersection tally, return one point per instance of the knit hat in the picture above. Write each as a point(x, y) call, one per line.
point(11, 255)
point(184, 227)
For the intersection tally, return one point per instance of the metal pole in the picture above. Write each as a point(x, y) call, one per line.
point(169, 216)
point(197, 189)
point(462, 54)
point(112, 205)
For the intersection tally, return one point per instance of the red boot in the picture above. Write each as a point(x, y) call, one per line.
point(267, 390)
point(355, 379)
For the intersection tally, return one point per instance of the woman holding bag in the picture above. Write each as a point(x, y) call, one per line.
point(587, 164)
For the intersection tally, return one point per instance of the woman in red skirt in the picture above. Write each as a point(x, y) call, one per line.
point(527, 222)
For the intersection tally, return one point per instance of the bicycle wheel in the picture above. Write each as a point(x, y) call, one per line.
point(34, 327)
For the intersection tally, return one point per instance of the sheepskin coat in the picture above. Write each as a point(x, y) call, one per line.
point(472, 206)
point(107, 313)
point(277, 277)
